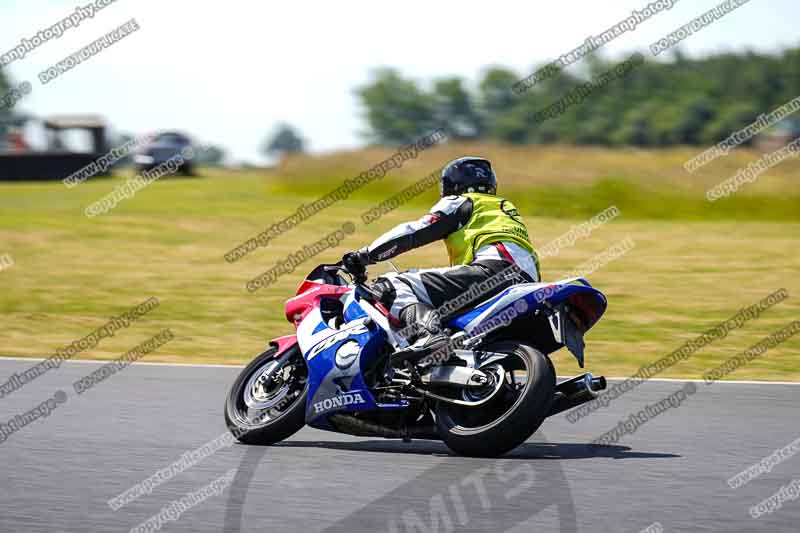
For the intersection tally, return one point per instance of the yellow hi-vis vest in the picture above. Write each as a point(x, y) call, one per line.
point(494, 219)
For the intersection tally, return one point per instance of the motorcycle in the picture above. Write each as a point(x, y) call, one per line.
point(346, 370)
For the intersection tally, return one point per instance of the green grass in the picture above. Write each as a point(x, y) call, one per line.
point(562, 181)
point(693, 265)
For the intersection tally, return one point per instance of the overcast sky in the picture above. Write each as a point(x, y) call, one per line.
point(228, 71)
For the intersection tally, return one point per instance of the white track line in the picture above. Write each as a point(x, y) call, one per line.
point(209, 365)
point(104, 361)
point(732, 381)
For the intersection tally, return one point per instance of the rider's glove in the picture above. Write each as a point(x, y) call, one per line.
point(356, 262)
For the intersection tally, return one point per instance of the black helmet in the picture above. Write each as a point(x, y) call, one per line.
point(468, 174)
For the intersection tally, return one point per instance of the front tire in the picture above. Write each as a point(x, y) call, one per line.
point(267, 402)
point(509, 419)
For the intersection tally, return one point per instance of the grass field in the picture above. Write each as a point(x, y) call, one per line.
point(693, 264)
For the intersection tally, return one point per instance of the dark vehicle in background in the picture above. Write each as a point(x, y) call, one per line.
point(164, 146)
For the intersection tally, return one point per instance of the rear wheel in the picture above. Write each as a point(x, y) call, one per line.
point(267, 402)
point(514, 413)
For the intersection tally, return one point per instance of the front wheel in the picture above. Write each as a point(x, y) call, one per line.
point(267, 402)
point(512, 416)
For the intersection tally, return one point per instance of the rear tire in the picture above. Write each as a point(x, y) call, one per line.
point(285, 422)
point(466, 433)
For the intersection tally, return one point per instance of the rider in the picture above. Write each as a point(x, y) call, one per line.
point(484, 235)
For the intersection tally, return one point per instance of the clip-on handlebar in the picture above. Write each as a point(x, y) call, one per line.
point(359, 279)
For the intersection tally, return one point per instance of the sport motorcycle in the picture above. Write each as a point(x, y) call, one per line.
point(346, 369)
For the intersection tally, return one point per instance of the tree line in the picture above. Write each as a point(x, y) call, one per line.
point(682, 101)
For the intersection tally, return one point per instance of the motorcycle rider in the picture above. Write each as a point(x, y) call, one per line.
point(484, 235)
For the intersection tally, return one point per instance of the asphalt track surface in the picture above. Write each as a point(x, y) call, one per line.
point(59, 472)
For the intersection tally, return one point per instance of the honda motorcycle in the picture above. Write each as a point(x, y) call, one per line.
point(347, 370)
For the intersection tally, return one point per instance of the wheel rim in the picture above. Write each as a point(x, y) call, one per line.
point(266, 387)
point(495, 373)
point(271, 390)
point(505, 401)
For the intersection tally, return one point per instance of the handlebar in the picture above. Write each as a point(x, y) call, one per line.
point(359, 280)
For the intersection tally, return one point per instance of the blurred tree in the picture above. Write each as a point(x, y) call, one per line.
point(695, 113)
point(510, 128)
point(455, 110)
point(212, 156)
point(495, 90)
point(636, 127)
point(284, 140)
point(790, 79)
point(594, 129)
point(731, 119)
point(5, 85)
point(678, 100)
point(497, 103)
point(397, 110)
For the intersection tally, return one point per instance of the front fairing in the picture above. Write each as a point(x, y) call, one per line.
point(336, 386)
point(352, 310)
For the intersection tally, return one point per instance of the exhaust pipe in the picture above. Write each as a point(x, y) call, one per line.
point(576, 391)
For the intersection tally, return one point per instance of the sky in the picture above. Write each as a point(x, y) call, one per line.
point(228, 72)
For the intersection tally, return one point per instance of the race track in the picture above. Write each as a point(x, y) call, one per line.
point(60, 471)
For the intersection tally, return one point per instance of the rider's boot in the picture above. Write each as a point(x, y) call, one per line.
point(423, 331)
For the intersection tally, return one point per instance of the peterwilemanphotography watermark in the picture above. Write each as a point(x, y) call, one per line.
point(105, 161)
point(743, 135)
point(634, 421)
point(174, 509)
point(288, 264)
point(133, 185)
point(306, 211)
point(753, 171)
point(580, 93)
point(765, 465)
point(403, 197)
point(121, 363)
point(18, 380)
point(594, 43)
point(718, 332)
point(27, 45)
